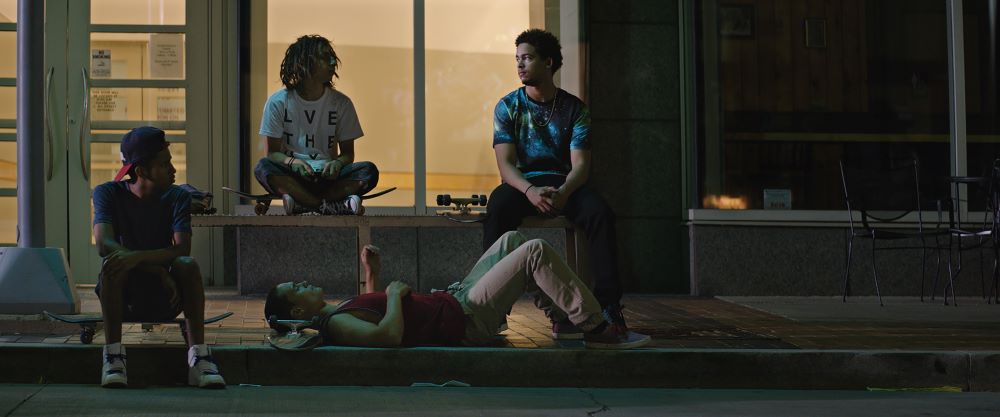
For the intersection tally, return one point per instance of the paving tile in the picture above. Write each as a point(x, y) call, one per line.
point(675, 322)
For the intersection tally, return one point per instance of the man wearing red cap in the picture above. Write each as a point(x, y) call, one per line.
point(143, 231)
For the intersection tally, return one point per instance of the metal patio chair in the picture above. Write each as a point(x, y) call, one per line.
point(986, 188)
point(883, 198)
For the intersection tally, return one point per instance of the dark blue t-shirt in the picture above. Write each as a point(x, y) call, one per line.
point(543, 134)
point(142, 224)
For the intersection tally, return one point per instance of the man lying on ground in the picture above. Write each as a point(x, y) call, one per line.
point(470, 312)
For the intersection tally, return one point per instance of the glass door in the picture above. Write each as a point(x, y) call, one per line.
point(126, 65)
point(8, 115)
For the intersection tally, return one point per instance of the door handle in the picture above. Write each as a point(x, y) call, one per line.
point(85, 123)
point(48, 123)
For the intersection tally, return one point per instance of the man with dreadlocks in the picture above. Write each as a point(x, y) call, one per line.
point(310, 129)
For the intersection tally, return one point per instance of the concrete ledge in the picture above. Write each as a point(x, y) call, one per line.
point(662, 368)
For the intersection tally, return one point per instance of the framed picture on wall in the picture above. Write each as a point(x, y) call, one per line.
point(815, 33)
point(736, 20)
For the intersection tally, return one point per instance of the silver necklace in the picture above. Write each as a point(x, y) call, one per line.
point(552, 111)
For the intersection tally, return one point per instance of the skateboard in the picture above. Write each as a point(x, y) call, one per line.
point(462, 211)
point(88, 323)
point(294, 339)
point(262, 202)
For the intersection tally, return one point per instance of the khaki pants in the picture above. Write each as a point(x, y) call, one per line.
point(512, 267)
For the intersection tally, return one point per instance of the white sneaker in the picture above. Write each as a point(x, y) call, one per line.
point(113, 372)
point(202, 370)
point(349, 205)
point(291, 207)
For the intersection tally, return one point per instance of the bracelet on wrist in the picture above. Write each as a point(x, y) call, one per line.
point(526, 189)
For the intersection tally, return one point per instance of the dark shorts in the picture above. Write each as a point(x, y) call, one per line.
point(366, 172)
point(146, 299)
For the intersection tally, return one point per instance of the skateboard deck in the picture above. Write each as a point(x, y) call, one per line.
point(88, 323)
point(262, 202)
point(304, 341)
point(461, 211)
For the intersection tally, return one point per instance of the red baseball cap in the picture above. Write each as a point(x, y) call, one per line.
point(138, 145)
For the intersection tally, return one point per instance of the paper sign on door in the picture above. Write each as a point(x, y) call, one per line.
point(100, 63)
point(166, 55)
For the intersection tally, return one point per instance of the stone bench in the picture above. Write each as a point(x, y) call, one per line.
point(270, 249)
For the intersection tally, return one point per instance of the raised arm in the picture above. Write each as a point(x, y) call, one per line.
point(371, 261)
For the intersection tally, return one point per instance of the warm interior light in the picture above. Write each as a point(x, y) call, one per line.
point(724, 202)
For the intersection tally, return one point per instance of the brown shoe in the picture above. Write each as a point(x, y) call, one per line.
point(615, 337)
point(566, 330)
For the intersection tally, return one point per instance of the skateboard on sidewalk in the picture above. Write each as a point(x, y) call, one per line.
point(262, 202)
point(88, 323)
point(294, 339)
point(462, 210)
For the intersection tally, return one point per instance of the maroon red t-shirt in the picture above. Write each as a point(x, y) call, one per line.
point(434, 319)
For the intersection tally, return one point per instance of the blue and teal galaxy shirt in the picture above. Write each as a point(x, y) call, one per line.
point(543, 140)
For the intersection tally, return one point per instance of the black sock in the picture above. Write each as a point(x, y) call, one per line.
point(600, 328)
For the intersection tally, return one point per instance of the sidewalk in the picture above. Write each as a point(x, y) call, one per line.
point(673, 322)
point(736, 342)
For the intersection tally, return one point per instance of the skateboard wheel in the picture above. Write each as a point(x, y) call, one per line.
point(482, 200)
point(444, 199)
point(87, 335)
point(260, 209)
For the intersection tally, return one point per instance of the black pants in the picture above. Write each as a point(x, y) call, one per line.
point(508, 206)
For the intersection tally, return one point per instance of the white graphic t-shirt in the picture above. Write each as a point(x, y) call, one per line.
point(311, 129)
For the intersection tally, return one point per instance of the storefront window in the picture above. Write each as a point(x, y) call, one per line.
point(790, 88)
point(981, 98)
point(468, 50)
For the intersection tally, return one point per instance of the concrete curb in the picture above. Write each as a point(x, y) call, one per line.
point(661, 368)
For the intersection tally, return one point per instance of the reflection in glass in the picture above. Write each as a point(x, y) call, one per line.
point(470, 66)
point(8, 220)
point(8, 165)
point(981, 101)
point(8, 11)
point(105, 161)
point(8, 50)
point(374, 39)
point(8, 103)
point(137, 56)
point(131, 12)
point(158, 104)
point(778, 115)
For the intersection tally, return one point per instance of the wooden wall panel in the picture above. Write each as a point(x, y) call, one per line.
point(784, 70)
point(816, 61)
point(774, 71)
point(800, 66)
point(766, 53)
point(835, 40)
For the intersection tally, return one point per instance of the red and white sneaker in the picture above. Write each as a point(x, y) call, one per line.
point(202, 370)
point(113, 372)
